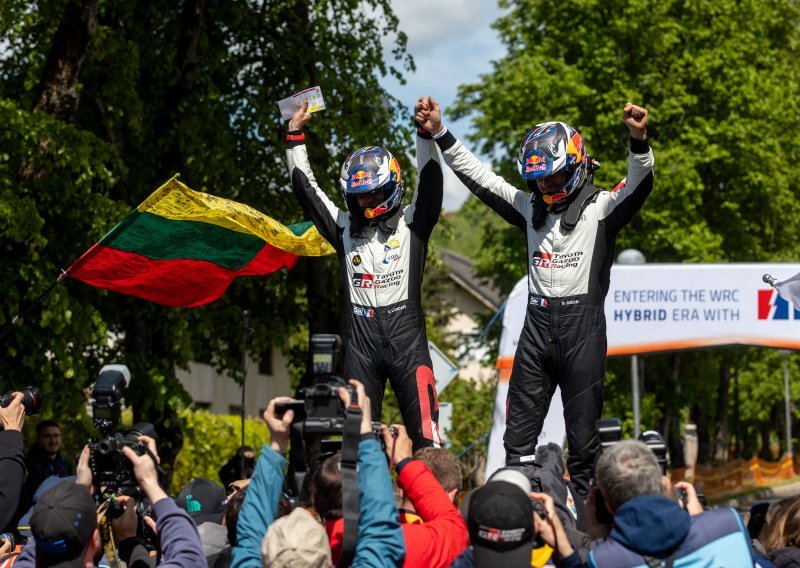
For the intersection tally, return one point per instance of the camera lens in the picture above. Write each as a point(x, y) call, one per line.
point(105, 446)
point(31, 400)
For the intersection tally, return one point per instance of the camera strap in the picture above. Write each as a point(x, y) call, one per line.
point(350, 504)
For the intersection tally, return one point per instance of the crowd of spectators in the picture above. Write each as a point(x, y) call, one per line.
point(633, 515)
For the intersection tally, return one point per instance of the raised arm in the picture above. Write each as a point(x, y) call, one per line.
point(426, 205)
point(502, 197)
point(328, 218)
point(620, 205)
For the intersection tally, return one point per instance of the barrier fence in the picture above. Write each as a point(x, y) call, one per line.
point(738, 475)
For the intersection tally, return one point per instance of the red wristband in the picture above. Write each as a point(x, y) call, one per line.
point(296, 137)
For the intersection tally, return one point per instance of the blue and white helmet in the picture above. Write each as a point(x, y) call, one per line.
point(369, 170)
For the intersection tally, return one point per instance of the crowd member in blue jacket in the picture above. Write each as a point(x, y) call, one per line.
point(380, 538)
point(649, 528)
point(64, 524)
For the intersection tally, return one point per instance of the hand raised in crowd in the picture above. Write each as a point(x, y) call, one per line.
point(363, 403)
point(550, 528)
point(428, 114)
point(126, 524)
point(635, 118)
point(692, 505)
point(300, 118)
point(144, 469)
point(83, 473)
point(399, 446)
point(279, 426)
point(12, 417)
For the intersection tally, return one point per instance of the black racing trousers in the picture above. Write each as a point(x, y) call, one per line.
point(396, 348)
point(562, 344)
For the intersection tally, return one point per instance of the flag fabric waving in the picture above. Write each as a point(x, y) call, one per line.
point(789, 290)
point(182, 248)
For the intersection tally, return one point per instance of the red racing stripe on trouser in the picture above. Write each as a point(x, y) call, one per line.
point(428, 404)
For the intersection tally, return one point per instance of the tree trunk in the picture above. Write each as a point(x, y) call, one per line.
point(671, 425)
point(323, 315)
point(721, 417)
point(699, 417)
point(58, 94)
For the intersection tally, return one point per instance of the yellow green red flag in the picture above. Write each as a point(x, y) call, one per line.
point(182, 248)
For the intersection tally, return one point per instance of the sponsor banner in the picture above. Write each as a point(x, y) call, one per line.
point(663, 307)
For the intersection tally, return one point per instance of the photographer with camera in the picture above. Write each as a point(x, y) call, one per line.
point(650, 528)
point(380, 540)
point(65, 522)
point(12, 460)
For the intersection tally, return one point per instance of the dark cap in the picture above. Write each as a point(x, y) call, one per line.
point(204, 500)
point(63, 522)
point(500, 523)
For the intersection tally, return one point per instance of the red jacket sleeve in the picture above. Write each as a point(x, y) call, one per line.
point(443, 534)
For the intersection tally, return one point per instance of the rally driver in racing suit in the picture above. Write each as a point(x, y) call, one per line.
point(382, 247)
point(571, 228)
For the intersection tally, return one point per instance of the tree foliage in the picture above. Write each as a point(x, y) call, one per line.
point(160, 88)
point(720, 80)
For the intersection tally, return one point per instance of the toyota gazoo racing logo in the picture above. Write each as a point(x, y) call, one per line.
point(542, 259)
point(772, 307)
point(364, 312)
point(361, 280)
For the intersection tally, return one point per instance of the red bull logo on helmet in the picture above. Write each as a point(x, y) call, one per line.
point(535, 163)
point(362, 178)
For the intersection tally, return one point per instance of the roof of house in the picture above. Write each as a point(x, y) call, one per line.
point(460, 271)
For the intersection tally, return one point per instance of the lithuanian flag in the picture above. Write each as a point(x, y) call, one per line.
point(182, 248)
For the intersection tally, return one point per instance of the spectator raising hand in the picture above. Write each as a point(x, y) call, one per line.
point(279, 425)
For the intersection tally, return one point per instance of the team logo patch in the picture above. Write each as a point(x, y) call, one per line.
point(393, 244)
point(542, 259)
point(501, 535)
point(364, 312)
point(361, 280)
point(356, 260)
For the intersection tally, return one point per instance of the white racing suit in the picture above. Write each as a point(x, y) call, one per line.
point(381, 264)
point(563, 339)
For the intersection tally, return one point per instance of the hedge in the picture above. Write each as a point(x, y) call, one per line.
point(209, 441)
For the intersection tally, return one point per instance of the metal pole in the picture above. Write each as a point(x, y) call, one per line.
point(785, 353)
point(246, 329)
point(738, 447)
point(637, 426)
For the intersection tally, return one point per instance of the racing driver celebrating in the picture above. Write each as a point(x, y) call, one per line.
point(571, 228)
point(381, 245)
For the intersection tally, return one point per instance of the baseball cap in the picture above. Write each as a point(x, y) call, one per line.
point(204, 500)
point(44, 487)
point(63, 522)
point(296, 539)
point(500, 521)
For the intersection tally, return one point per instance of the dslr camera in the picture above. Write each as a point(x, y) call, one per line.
point(110, 467)
point(31, 400)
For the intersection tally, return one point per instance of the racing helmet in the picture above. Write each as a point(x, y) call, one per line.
point(552, 147)
point(370, 170)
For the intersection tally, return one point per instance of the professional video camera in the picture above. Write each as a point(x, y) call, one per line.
point(110, 467)
point(318, 412)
